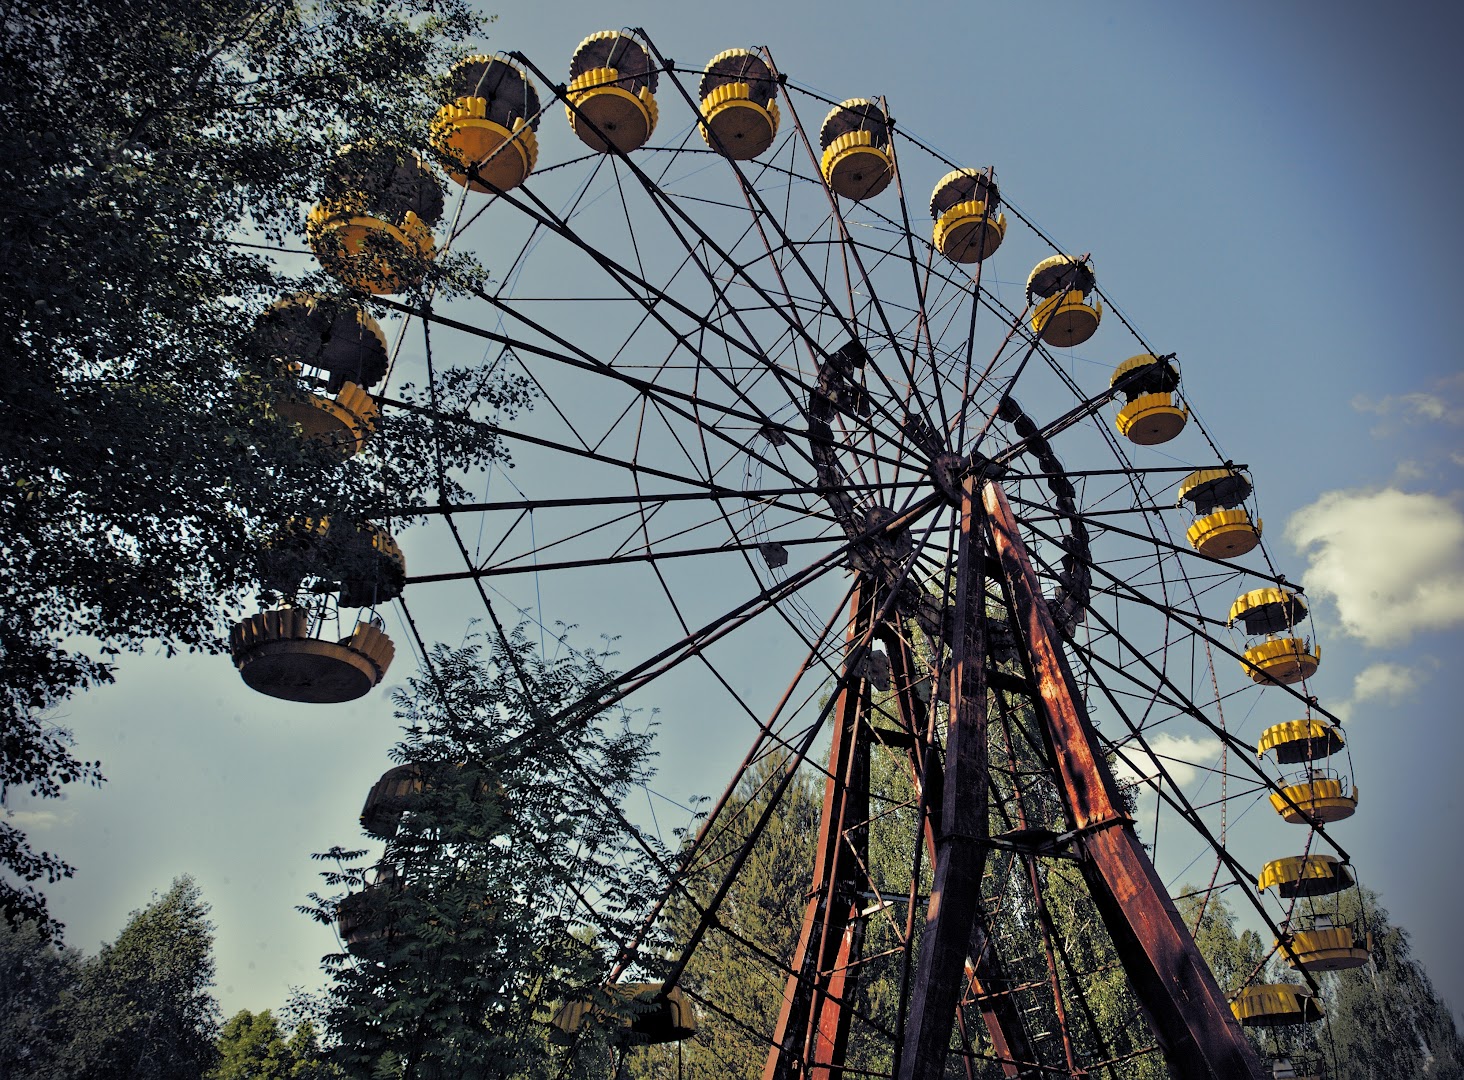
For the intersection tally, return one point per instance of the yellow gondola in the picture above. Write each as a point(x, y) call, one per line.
point(1276, 1005)
point(343, 422)
point(1296, 741)
point(1278, 659)
point(1222, 528)
point(1267, 611)
point(393, 794)
point(360, 561)
point(857, 161)
point(968, 226)
point(1305, 875)
point(739, 113)
point(363, 919)
point(388, 799)
point(1281, 660)
point(1320, 796)
point(276, 655)
point(641, 1013)
point(487, 129)
point(1324, 947)
point(1150, 416)
point(332, 336)
point(373, 228)
point(611, 97)
point(1063, 316)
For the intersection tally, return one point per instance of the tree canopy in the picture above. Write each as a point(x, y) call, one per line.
point(154, 158)
point(509, 876)
point(141, 1008)
point(252, 1046)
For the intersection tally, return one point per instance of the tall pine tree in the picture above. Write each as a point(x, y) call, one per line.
point(508, 881)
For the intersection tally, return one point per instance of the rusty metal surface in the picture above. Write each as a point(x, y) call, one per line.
point(1185, 1008)
point(813, 1023)
point(961, 840)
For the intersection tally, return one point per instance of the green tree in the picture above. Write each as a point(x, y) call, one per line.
point(142, 1007)
point(764, 906)
point(508, 877)
point(149, 153)
point(1385, 1019)
point(1235, 959)
point(34, 975)
point(251, 1046)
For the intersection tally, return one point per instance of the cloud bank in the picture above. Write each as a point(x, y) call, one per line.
point(1392, 561)
point(1384, 683)
point(1181, 755)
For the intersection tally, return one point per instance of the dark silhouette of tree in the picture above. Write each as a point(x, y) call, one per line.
point(508, 880)
point(34, 976)
point(150, 153)
point(142, 1008)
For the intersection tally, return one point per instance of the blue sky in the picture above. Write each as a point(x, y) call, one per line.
point(1267, 190)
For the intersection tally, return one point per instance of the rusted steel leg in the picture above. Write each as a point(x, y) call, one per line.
point(960, 843)
point(990, 986)
point(987, 979)
point(831, 1031)
point(813, 1024)
point(1192, 1023)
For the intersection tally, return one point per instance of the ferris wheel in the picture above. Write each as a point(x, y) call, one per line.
point(881, 478)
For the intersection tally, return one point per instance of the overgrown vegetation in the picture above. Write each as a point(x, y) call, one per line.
point(150, 153)
point(509, 882)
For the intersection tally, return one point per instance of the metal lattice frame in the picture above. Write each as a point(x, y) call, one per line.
point(820, 394)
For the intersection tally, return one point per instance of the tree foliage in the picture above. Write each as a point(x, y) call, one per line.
point(1385, 1019)
point(764, 906)
point(508, 880)
point(34, 976)
point(251, 1046)
point(142, 1008)
point(1235, 959)
point(150, 153)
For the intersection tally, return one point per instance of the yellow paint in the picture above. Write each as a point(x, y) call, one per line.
point(626, 119)
point(962, 235)
point(369, 253)
point(1331, 949)
point(1314, 800)
point(1281, 660)
point(1224, 534)
point(744, 128)
point(1276, 1005)
point(1151, 419)
point(856, 168)
point(1066, 319)
point(463, 136)
point(1297, 731)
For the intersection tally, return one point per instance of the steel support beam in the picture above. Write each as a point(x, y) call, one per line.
point(813, 1023)
point(1195, 1029)
point(961, 841)
point(987, 979)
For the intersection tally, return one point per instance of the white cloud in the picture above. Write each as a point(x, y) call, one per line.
point(32, 820)
point(1392, 561)
point(1388, 682)
point(1441, 405)
point(1382, 682)
point(1181, 755)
